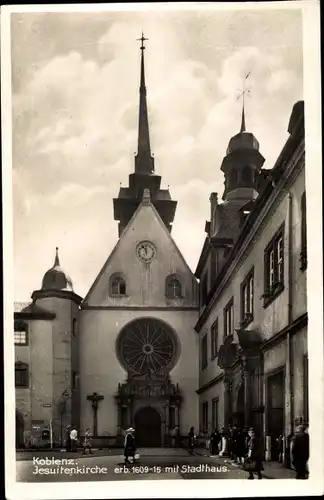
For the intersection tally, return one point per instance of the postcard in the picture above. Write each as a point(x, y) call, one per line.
point(163, 257)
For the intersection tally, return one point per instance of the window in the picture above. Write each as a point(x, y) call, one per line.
point(203, 290)
point(173, 287)
point(21, 337)
point(274, 267)
point(204, 352)
point(74, 380)
point(214, 340)
point(205, 416)
point(229, 319)
point(74, 327)
point(21, 375)
point(215, 403)
point(118, 286)
point(303, 252)
point(246, 175)
point(247, 297)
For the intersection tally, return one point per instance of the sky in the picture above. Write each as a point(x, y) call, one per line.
point(75, 79)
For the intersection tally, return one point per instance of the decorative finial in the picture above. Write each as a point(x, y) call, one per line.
point(57, 260)
point(243, 92)
point(142, 40)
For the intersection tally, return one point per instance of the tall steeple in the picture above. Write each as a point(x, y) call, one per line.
point(144, 163)
point(143, 177)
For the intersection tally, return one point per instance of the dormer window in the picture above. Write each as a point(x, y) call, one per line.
point(173, 287)
point(118, 286)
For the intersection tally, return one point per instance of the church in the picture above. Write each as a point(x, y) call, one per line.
point(127, 353)
point(160, 348)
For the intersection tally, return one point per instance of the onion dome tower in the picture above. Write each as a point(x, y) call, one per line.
point(56, 278)
point(242, 165)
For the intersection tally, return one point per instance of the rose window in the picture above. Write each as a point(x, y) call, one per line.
point(147, 346)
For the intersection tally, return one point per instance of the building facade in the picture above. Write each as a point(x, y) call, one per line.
point(253, 306)
point(154, 346)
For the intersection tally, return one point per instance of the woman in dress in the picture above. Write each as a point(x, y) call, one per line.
point(255, 454)
point(192, 437)
point(129, 445)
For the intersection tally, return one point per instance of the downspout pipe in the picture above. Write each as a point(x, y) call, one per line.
point(289, 364)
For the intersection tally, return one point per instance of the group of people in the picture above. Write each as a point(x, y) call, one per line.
point(246, 447)
point(73, 440)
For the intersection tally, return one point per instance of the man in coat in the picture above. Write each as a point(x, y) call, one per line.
point(300, 452)
point(129, 445)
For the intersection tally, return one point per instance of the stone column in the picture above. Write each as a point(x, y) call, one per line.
point(177, 421)
point(247, 396)
point(118, 418)
point(227, 401)
point(167, 431)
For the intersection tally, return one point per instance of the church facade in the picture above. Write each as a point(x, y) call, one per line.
point(126, 354)
point(156, 347)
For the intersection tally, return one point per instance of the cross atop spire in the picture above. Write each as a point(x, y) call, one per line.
point(142, 39)
point(144, 162)
point(245, 91)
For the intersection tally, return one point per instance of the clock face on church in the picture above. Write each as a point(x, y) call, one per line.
point(145, 251)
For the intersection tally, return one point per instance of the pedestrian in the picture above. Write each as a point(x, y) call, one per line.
point(241, 449)
point(234, 443)
point(280, 446)
point(74, 438)
point(300, 452)
point(87, 442)
point(230, 442)
point(129, 445)
point(68, 439)
point(213, 443)
point(253, 464)
point(215, 439)
point(192, 437)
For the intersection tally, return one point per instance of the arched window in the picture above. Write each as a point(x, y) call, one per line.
point(21, 374)
point(118, 286)
point(173, 287)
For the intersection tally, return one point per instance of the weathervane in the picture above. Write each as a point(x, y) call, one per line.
point(142, 39)
point(245, 91)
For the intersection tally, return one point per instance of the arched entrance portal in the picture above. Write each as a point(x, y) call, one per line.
point(148, 427)
point(19, 430)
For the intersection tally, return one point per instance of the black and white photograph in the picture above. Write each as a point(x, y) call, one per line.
point(163, 262)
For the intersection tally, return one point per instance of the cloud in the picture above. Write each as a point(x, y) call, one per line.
point(75, 115)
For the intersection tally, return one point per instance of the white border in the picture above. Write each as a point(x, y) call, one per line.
point(190, 488)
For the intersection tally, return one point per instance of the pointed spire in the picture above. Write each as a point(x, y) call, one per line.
point(57, 260)
point(144, 162)
point(245, 91)
point(243, 128)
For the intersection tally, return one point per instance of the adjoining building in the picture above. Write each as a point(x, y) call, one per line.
point(253, 305)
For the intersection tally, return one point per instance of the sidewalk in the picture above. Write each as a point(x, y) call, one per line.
point(272, 470)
